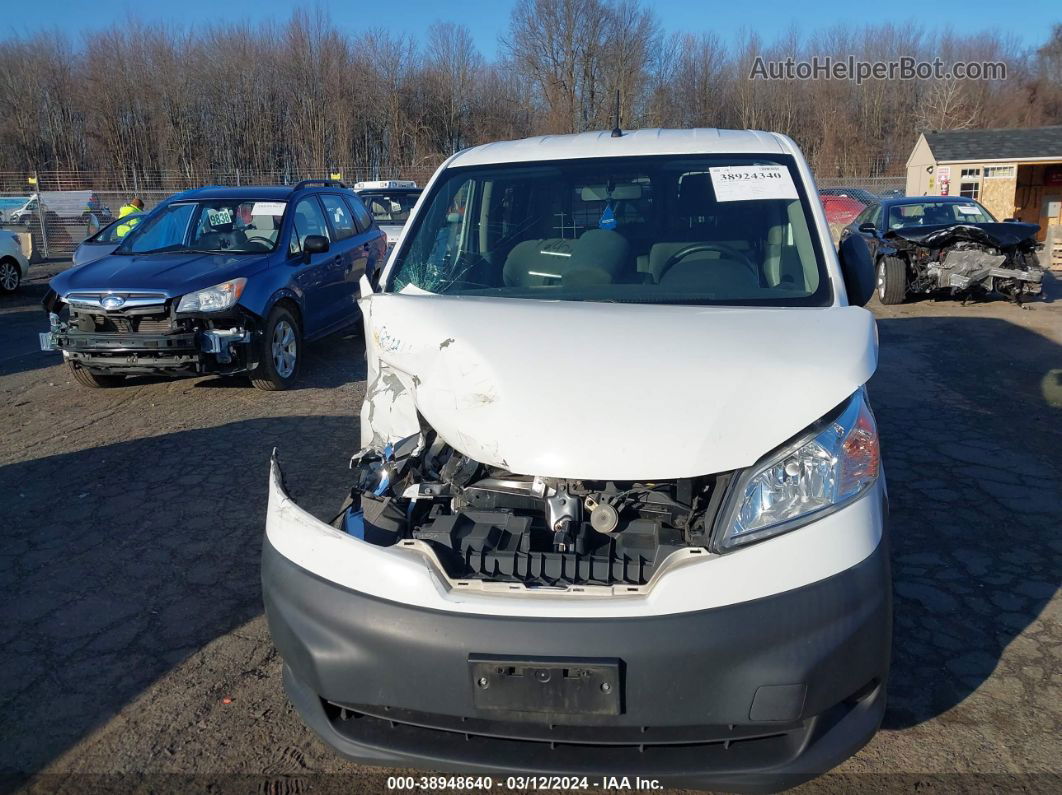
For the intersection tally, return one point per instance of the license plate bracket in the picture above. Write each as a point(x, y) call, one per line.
point(555, 685)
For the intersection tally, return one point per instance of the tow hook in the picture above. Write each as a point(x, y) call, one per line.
point(562, 509)
point(221, 342)
point(50, 339)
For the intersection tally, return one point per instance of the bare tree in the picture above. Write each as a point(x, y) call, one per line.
point(173, 107)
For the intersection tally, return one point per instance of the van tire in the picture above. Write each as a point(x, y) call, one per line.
point(892, 280)
point(271, 374)
point(93, 380)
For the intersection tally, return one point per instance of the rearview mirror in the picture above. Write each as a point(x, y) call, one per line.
point(857, 268)
point(866, 226)
point(315, 244)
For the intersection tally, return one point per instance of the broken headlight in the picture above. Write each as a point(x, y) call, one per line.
point(807, 479)
point(213, 299)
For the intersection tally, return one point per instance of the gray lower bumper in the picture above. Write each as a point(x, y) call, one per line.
point(758, 695)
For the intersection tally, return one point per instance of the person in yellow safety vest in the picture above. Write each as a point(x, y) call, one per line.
point(135, 205)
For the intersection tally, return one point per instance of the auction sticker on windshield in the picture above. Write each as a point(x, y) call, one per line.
point(268, 208)
point(745, 183)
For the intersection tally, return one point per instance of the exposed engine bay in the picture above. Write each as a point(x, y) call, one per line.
point(971, 260)
point(485, 523)
point(144, 334)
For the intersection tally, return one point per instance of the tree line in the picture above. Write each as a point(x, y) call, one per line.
point(160, 106)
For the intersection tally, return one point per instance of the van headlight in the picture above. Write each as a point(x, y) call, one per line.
point(213, 299)
point(829, 467)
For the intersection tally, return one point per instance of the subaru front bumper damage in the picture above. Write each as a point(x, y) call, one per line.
point(152, 340)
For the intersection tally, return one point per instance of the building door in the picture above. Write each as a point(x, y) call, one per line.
point(1051, 210)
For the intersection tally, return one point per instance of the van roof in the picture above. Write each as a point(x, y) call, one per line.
point(631, 144)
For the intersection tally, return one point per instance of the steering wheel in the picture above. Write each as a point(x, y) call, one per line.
point(265, 242)
point(697, 248)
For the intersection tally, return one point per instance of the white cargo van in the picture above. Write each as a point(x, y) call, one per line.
point(619, 507)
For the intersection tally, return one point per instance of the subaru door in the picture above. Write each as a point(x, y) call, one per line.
point(317, 272)
point(373, 245)
point(347, 248)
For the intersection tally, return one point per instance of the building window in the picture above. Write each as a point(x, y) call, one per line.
point(971, 190)
point(998, 171)
point(974, 173)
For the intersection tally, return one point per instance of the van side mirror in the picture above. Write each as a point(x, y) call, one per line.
point(868, 227)
point(315, 244)
point(857, 268)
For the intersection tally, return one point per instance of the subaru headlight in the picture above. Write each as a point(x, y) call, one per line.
point(213, 299)
point(832, 465)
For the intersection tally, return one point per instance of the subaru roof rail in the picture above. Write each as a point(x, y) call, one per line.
point(325, 183)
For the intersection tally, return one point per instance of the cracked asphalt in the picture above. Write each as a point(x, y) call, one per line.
point(132, 641)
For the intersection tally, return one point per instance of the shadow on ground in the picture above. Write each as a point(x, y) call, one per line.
point(21, 319)
point(971, 436)
point(129, 557)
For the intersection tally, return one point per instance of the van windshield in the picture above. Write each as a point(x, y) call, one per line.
point(726, 229)
point(223, 226)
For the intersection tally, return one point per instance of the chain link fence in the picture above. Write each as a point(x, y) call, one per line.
point(74, 205)
point(52, 212)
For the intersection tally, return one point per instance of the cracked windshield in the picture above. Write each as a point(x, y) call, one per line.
point(727, 230)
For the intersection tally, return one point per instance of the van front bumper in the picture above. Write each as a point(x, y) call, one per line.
point(754, 696)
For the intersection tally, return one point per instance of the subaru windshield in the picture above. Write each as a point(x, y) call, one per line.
point(211, 226)
point(719, 229)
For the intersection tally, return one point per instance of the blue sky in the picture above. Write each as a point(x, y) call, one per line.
point(489, 18)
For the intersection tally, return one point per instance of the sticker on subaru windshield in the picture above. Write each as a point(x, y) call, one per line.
point(268, 208)
point(748, 183)
point(968, 209)
point(219, 217)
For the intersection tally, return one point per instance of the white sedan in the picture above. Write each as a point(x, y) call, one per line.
point(13, 263)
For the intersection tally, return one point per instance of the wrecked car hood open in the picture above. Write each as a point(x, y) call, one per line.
point(607, 391)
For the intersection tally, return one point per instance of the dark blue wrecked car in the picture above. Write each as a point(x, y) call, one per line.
point(218, 280)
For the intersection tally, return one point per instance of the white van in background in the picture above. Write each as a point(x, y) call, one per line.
point(67, 204)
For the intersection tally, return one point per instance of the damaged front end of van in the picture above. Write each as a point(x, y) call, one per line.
point(595, 536)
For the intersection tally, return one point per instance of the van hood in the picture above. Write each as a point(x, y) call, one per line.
point(600, 391)
point(173, 274)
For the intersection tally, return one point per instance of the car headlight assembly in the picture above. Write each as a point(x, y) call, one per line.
point(213, 299)
point(827, 468)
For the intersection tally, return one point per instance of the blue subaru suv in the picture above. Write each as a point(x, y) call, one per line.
point(218, 280)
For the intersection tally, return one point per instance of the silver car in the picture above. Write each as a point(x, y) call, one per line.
point(106, 240)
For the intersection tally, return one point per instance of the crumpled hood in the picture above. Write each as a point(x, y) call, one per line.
point(998, 235)
point(613, 391)
point(173, 274)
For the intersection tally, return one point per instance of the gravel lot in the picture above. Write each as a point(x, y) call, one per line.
point(132, 639)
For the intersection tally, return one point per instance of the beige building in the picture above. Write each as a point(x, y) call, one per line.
point(1013, 173)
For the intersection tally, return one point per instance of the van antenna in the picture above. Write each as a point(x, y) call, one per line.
point(616, 131)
